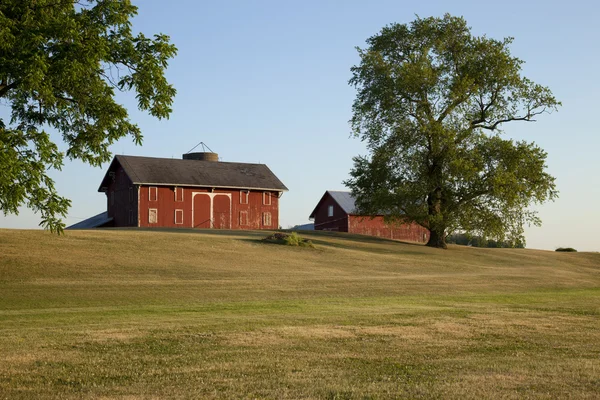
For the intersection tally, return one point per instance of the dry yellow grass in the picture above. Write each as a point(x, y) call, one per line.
point(153, 314)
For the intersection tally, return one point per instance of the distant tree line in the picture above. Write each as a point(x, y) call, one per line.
point(478, 241)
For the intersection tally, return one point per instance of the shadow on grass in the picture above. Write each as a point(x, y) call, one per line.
point(354, 241)
point(321, 239)
point(349, 241)
point(353, 237)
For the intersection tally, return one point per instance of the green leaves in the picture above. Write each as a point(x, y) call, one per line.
point(60, 64)
point(431, 100)
point(23, 175)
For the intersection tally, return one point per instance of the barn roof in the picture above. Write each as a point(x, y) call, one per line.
point(344, 199)
point(173, 172)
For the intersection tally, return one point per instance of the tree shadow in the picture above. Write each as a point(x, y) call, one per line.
point(352, 241)
point(321, 239)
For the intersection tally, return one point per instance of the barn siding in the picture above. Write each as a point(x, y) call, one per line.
point(364, 225)
point(122, 206)
point(376, 226)
point(166, 206)
point(339, 221)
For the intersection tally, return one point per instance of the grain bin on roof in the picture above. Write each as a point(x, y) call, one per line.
point(201, 156)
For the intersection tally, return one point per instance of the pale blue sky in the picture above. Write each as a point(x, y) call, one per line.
point(266, 81)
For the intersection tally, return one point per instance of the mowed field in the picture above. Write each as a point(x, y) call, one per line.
point(154, 314)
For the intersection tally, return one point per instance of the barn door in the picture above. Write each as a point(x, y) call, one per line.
point(222, 212)
point(202, 210)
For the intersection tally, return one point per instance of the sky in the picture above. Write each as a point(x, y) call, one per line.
point(267, 82)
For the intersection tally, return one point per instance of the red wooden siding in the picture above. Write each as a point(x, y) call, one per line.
point(228, 211)
point(201, 209)
point(376, 226)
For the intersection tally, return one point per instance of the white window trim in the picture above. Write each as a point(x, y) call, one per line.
point(244, 194)
point(241, 220)
point(266, 195)
point(265, 215)
point(178, 200)
point(150, 193)
point(181, 221)
point(150, 212)
point(330, 211)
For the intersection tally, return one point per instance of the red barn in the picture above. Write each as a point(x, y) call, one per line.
point(197, 191)
point(336, 212)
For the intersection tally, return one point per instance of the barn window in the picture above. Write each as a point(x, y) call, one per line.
point(267, 198)
point(267, 219)
point(153, 193)
point(179, 217)
point(130, 194)
point(243, 218)
point(152, 216)
point(178, 194)
point(244, 196)
point(131, 216)
point(330, 211)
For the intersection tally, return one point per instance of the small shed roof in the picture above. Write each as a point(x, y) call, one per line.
point(344, 199)
point(178, 172)
point(92, 222)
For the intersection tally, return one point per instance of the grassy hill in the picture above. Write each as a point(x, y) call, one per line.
point(155, 314)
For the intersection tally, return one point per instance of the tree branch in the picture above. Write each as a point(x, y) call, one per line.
point(528, 118)
point(451, 107)
point(484, 108)
point(501, 121)
point(69, 99)
point(5, 88)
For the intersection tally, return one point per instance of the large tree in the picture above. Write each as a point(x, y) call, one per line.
point(61, 63)
point(431, 104)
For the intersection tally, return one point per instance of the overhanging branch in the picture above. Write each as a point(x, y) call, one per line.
point(4, 88)
point(501, 121)
point(527, 118)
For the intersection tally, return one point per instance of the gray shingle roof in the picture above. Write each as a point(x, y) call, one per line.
point(345, 200)
point(170, 171)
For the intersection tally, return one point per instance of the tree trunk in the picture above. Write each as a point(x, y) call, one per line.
point(437, 227)
point(437, 239)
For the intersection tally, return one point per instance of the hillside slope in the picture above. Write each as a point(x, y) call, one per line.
point(219, 314)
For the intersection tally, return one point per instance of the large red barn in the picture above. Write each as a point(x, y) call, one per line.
point(336, 211)
point(197, 191)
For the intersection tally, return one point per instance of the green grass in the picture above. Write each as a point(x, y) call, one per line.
point(157, 314)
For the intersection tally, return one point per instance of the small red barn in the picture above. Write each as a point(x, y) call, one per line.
point(197, 191)
point(336, 212)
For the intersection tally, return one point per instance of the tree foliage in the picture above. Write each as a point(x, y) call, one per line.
point(61, 63)
point(431, 103)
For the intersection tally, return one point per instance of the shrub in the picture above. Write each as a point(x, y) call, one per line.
point(292, 239)
point(466, 239)
point(567, 249)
